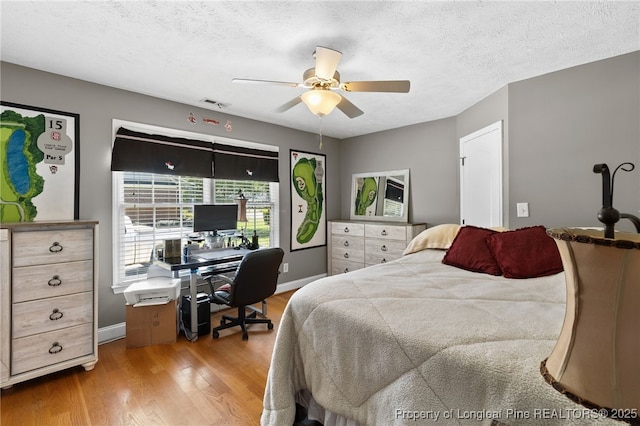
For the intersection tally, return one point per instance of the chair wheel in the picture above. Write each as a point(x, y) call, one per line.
point(245, 336)
point(270, 326)
point(216, 334)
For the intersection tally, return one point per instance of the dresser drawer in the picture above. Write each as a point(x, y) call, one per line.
point(381, 251)
point(347, 242)
point(383, 247)
point(342, 253)
point(375, 258)
point(387, 232)
point(45, 281)
point(29, 353)
point(347, 228)
point(46, 315)
point(44, 247)
point(341, 266)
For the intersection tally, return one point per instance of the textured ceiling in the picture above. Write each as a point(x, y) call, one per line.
point(454, 53)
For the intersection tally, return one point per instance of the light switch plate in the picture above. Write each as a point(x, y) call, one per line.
point(522, 209)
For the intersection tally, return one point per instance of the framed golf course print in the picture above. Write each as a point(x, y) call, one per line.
point(39, 160)
point(308, 212)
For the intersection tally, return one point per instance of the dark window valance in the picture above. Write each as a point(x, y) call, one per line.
point(240, 163)
point(142, 152)
point(394, 191)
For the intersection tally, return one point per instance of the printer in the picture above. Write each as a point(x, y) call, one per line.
point(159, 288)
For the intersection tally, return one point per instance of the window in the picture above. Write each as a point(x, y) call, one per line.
point(151, 208)
point(261, 207)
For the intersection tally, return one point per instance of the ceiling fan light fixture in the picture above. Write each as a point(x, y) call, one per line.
point(321, 101)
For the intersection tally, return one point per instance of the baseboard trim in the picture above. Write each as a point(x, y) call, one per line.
point(111, 332)
point(294, 285)
point(118, 331)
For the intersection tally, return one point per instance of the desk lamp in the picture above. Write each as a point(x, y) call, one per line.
point(595, 361)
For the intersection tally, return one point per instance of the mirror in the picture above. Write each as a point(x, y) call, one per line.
point(382, 196)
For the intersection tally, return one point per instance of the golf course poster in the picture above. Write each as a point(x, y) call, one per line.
point(308, 216)
point(38, 164)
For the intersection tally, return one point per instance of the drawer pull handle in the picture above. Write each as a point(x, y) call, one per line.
point(383, 248)
point(346, 243)
point(55, 247)
point(384, 232)
point(55, 281)
point(346, 229)
point(346, 255)
point(55, 348)
point(56, 315)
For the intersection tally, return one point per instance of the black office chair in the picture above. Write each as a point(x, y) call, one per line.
point(255, 279)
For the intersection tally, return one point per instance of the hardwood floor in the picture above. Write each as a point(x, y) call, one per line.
point(208, 382)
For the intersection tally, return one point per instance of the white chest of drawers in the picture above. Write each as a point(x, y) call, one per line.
point(354, 245)
point(48, 298)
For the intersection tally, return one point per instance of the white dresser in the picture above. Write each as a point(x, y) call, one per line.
point(48, 298)
point(354, 245)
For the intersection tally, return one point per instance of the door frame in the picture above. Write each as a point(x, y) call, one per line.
point(495, 127)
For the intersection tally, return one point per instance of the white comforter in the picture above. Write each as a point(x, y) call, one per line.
point(414, 341)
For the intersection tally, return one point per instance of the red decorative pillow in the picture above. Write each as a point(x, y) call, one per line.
point(525, 252)
point(470, 251)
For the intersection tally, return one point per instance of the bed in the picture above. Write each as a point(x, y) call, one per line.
point(417, 341)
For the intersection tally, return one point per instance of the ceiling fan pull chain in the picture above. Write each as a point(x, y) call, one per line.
point(320, 118)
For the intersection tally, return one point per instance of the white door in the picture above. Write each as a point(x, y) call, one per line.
point(481, 177)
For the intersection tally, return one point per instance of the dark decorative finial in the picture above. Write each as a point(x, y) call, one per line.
point(607, 214)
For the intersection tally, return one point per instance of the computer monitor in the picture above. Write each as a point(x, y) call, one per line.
point(215, 217)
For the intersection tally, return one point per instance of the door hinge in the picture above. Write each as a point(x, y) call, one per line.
point(462, 160)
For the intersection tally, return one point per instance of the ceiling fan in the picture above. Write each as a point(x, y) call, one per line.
point(323, 80)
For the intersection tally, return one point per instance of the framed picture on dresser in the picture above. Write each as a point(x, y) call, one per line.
point(39, 148)
point(308, 212)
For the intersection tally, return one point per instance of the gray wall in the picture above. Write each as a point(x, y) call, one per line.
point(560, 125)
point(556, 127)
point(430, 152)
point(98, 105)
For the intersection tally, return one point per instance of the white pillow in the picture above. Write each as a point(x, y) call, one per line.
point(437, 237)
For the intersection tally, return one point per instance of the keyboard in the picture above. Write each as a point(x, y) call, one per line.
point(222, 268)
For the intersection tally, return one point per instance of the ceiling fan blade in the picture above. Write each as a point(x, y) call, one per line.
point(349, 109)
point(293, 102)
point(397, 86)
point(251, 81)
point(326, 62)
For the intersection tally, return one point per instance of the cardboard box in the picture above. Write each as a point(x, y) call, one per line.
point(151, 325)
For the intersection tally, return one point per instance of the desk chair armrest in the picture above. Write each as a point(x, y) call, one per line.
point(224, 278)
point(213, 278)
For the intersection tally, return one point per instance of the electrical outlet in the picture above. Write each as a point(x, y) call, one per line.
point(285, 267)
point(522, 209)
